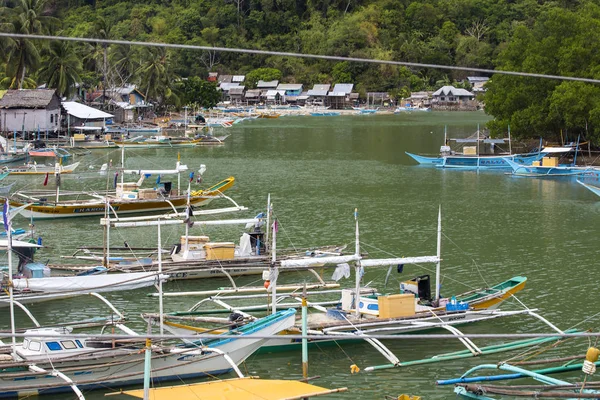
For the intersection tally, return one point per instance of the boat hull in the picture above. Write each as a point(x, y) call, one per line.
point(475, 162)
point(97, 208)
point(121, 367)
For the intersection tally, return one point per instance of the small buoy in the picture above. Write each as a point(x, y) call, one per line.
point(589, 365)
point(354, 369)
point(267, 284)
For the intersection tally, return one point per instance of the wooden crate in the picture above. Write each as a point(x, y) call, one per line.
point(396, 305)
point(219, 251)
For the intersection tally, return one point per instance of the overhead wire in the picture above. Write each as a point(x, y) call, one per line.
point(298, 55)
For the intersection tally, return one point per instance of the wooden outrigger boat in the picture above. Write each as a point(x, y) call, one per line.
point(361, 313)
point(50, 361)
point(126, 200)
point(470, 386)
point(39, 169)
point(129, 197)
point(197, 257)
point(470, 157)
point(161, 141)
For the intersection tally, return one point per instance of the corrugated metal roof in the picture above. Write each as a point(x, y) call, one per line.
point(226, 86)
point(451, 90)
point(34, 98)
point(252, 93)
point(82, 111)
point(225, 78)
point(267, 84)
point(322, 87)
point(343, 87)
point(336, 94)
point(289, 86)
point(238, 78)
point(237, 90)
point(317, 92)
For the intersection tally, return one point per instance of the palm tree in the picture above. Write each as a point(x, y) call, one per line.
point(21, 55)
point(155, 75)
point(61, 68)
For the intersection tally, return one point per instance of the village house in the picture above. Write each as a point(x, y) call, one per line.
point(318, 94)
point(84, 118)
point(124, 102)
point(30, 111)
point(451, 98)
point(339, 97)
point(477, 83)
point(265, 87)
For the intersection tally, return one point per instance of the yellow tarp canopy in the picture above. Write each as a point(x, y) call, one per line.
point(237, 389)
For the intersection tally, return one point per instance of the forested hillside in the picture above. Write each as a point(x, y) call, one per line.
point(550, 37)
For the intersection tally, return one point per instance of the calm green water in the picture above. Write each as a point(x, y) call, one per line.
point(317, 171)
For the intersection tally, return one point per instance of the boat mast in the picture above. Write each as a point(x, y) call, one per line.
point(268, 222)
point(187, 220)
point(160, 291)
point(357, 267)
point(439, 254)
point(274, 271)
point(576, 150)
point(509, 142)
point(8, 227)
point(122, 164)
point(179, 174)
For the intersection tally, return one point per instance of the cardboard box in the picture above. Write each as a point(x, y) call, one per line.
point(79, 137)
point(146, 194)
point(219, 251)
point(470, 150)
point(195, 239)
point(535, 164)
point(396, 305)
point(550, 162)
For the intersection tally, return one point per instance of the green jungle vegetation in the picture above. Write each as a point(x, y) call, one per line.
point(550, 37)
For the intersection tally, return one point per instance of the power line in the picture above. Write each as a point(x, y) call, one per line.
point(299, 55)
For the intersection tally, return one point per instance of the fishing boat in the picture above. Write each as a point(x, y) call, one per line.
point(129, 197)
point(196, 257)
point(325, 113)
point(365, 111)
point(33, 168)
point(33, 281)
point(160, 141)
point(49, 361)
point(550, 165)
point(473, 386)
point(410, 108)
point(591, 188)
point(92, 137)
point(361, 311)
point(469, 157)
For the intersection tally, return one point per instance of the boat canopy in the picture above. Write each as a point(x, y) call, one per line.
point(556, 149)
point(475, 140)
point(242, 388)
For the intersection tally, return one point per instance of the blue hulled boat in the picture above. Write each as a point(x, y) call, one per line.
point(470, 158)
point(550, 166)
point(476, 162)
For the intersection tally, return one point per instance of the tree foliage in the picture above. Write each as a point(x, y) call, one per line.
point(539, 36)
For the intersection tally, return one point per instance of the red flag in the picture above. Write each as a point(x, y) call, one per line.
point(46, 179)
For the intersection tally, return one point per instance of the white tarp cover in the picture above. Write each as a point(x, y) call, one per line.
point(556, 149)
point(95, 283)
point(82, 111)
